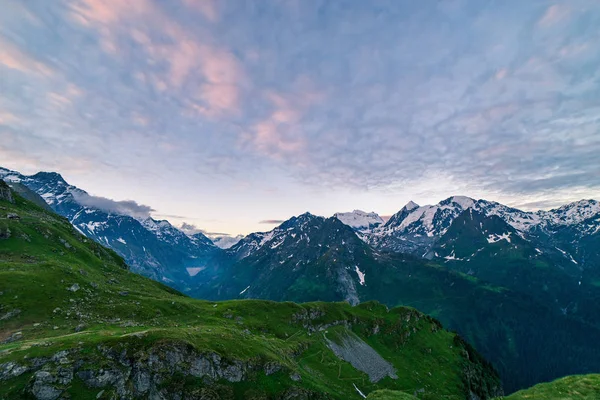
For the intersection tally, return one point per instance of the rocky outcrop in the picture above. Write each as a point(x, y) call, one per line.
point(5, 192)
point(117, 372)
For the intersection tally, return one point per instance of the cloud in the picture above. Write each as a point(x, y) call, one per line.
point(497, 98)
point(146, 24)
point(125, 207)
point(272, 221)
point(12, 57)
point(190, 229)
point(554, 14)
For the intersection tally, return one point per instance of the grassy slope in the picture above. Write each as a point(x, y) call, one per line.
point(578, 387)
point(44, 257)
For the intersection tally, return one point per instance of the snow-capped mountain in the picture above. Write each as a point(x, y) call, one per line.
point(304, 257)
point(152, 248)
point(360, 220)
point(415, 229)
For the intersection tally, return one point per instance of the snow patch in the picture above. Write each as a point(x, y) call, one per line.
point(493, 238)
point(358, 219)
point(244, 291)
point(195, 270)
point(361, 276)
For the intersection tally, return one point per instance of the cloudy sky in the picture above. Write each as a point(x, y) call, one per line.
point(231, 115)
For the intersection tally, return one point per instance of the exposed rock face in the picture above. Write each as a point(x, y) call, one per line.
point(5, 192)
point(363, 357)
point(145, 374)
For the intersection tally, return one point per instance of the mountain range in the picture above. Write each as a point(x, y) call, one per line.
point(75, 323)
point(523, 287)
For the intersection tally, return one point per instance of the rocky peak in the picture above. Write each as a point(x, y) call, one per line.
point(53, 177)
point(411, 205)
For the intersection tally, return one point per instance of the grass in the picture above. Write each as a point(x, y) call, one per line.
point(577, 387)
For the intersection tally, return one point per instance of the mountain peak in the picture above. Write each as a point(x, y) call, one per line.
point(359, 220)
point(49, 176)
point(463, 201)
point(572, 213)
point(411, 205)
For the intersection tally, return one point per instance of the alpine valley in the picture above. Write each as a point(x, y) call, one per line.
point(79, 316)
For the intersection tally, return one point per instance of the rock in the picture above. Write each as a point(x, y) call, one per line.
point(94, 285)
point(5, 233)
point(271, 368)
point(13, 216)
point(124, 293)
point(80, 327)
point(5, 192)
point(74, 287)
point(14, 337)
point(42, 388)
point(295, 377)
point(10, 314)
point(61, 357)
point(234, 372)
point(11, 370)
point(141, 381)
point(202, 366)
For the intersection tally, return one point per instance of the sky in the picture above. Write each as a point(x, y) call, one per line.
point(230, 116)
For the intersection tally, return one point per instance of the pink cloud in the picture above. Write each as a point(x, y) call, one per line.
point(279, 134)
point(555, 13)
point(13, 58)
point(188, 60)
point(109, 11)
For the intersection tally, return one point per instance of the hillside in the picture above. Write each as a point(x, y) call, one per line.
point(74, 322)
point(584, 387)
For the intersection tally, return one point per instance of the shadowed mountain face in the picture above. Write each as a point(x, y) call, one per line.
point(522, 287)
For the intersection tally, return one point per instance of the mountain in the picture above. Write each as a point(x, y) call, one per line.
point(360, 220)
point(309, 258)
point(489, 249)
point(414, 229)
point(305, 258)
point(76, 323)
point(152, 248)
point(571, 231)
